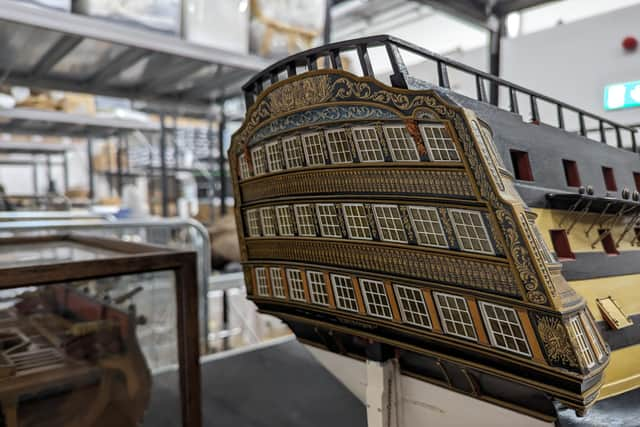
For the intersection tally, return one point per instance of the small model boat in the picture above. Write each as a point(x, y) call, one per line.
point(483, 252)
point(69, 359)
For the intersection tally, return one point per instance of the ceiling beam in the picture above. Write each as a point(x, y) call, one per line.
point(505, 7)
point(465, 9)
point(484, 12)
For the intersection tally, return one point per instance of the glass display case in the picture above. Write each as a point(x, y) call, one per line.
point(86, 323)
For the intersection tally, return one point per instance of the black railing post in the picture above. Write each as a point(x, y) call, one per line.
point(603, 135)
point(399, 76)
point(535, 113)
point(336, 62)
point(248, 98)
point(312, 63)
point(480, 89)
point(618, 136)
point(583, 129)
point(560, 116)
point(633, 141)
point(443, 75)
point(513, 101)
point(365, 62)
point(291, 69)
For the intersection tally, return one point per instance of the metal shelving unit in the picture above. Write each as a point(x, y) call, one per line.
point(162, 73)
point(47, 155)
point(29, 121)
point(79, 53)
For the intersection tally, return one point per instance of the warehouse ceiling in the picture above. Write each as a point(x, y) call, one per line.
point(480, 12)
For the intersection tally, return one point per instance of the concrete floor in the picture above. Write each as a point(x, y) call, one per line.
point(282, 385)
point(275, 386)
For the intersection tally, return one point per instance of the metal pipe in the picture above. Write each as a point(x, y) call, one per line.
point(119, 182)
point(65, 166)
point(222, 163)
point(212, 181)
point(49, 175)
point(35, 178)
point(327, 22)
point(92, 188)
point(164, 181)
point(495, 54)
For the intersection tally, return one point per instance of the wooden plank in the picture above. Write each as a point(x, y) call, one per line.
point(532, 338)
point(392, 302)
point(433, 313)
point(477, 321)
point(327, 283)
point(356, 286)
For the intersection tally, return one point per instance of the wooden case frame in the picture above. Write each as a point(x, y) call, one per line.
point(130, 258)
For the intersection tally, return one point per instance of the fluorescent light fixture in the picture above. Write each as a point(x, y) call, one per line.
point(512, 24)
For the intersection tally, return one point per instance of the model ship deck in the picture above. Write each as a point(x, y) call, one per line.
point(416, 223)
point(66, 358)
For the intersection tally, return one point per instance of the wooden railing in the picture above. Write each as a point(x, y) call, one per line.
point(331, 53)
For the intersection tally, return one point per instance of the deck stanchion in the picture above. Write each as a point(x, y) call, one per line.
point(583, 129)
point(365, 62)
point(560, 117)
point(480, 89)
point(164, 181)
point(336, 62)
point(535, 113)
point(399, 76)
point(443, 75)
point(513, 101)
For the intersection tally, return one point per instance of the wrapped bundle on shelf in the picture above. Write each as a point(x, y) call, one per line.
point(64, 5)
point(158, 15)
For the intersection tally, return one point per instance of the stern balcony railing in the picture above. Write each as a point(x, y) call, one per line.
point(624, 136)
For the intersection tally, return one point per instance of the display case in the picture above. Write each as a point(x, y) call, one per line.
point(86, 323)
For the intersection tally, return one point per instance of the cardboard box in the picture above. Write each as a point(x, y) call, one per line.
point(107, 159)
point(79, 103)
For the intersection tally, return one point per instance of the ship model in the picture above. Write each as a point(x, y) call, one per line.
point(483, 251)
point(68, 358)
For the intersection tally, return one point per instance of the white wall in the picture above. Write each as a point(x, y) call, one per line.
point(548, 15)
point(570, 62)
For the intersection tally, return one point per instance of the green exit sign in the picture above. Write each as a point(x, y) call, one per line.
point(622, 95)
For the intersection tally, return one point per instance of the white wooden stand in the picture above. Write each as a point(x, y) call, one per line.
point(383, 394)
